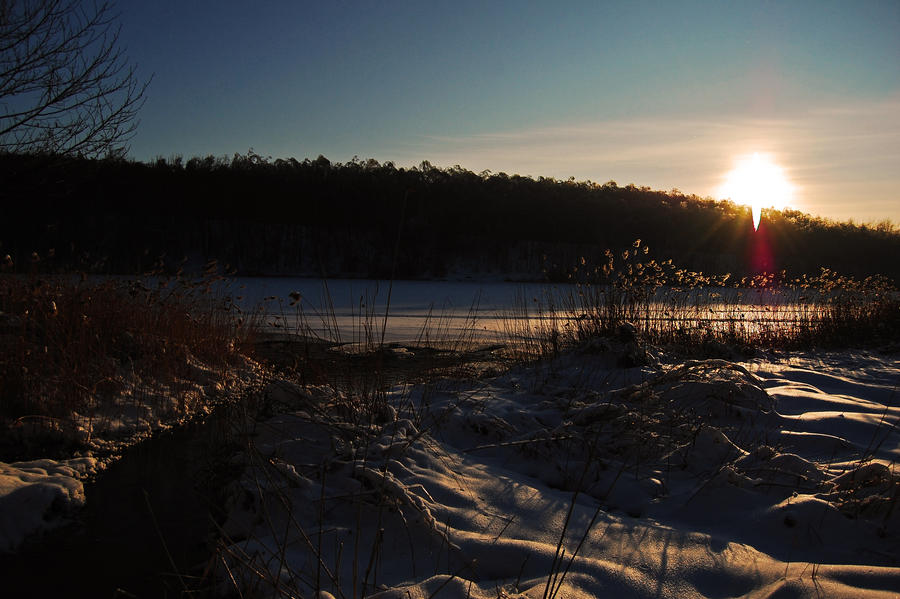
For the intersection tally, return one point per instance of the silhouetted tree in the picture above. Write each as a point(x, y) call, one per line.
point(288, 216)
point(65, 85)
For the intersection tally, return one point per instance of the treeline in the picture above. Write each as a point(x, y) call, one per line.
point(365, 218)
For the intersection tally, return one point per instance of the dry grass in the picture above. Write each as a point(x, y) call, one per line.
point(68, 343)
point(314, 346)
point(73, 348)
point(667, 305)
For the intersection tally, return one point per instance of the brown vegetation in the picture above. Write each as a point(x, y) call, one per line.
point(77, 354)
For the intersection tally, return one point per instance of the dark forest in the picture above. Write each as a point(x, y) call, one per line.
point(259, 216)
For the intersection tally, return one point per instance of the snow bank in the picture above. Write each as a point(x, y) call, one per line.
point(580, 478)
point(39, 495)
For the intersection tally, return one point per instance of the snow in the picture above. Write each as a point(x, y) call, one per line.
point(773, 477)
point(770, 478)
point(39, 495)
point(340, 307)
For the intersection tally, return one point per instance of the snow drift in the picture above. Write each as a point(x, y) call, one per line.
point(771, 478)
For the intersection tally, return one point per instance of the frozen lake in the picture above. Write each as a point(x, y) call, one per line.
point(350, 309)
point(362, 310)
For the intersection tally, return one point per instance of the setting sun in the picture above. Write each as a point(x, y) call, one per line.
point(758, 182)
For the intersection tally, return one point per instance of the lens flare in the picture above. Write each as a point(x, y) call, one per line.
point(758, 182)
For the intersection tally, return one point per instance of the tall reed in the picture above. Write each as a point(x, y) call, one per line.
point(671, 305)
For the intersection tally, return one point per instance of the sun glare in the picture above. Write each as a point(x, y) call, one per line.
point(758, 182)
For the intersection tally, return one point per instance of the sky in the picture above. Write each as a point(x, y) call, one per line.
point(663, 94)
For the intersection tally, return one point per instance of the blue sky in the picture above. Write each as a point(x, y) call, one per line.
point(665, 94)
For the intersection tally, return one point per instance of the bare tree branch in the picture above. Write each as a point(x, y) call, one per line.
point(66, 86)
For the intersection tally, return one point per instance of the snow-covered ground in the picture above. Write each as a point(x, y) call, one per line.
point(775, 477)
point(41, 494)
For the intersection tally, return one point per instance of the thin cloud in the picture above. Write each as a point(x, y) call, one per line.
point(833, 154)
